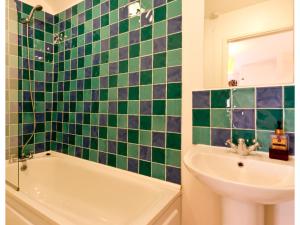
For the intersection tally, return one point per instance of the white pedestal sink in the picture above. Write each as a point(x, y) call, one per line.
point(245, 183)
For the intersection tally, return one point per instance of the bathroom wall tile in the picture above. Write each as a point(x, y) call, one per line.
point(270, 97)
point(289, 120)
point(248, 121)
point(243, 98)
point(201, 99)
point(263, 137)
point(220, 98)
point(289, 97)
point(116, 90)
point(220, 136)
point(266, 119)
point(220, 118)
point(243, 118)
point(291, 143)
point(201, 135)
point(201, 117)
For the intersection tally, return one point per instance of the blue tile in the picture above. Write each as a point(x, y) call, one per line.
point(174, 74)
point(133, 165)
point(174, 124)
point(102, 158)
point(269, 97)
point(122, 135)
point(112, 146)
point(134, 36)
point(158, 139)
point(145, 153)
point(146, 107)
point(220, 136)
point(201, 99)
point(173, 174)
point(291, 143)
point(243, 118)
point(159, 91)
point(174, 25)
point(133, 121)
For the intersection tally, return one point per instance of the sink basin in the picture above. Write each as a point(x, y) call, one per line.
point(253, 180)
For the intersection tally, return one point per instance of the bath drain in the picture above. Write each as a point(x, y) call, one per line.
point(48, 153)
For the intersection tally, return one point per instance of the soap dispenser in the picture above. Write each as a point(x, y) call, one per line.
point(279, 144)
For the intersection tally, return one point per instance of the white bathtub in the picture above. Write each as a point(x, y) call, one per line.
point(61, 189)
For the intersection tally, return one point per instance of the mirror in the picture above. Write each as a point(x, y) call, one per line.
point(248, 43)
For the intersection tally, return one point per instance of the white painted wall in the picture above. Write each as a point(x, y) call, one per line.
point(53, 6)
point(266, 16)
point(200, 206)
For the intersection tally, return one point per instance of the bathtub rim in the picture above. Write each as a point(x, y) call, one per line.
point(152, 214)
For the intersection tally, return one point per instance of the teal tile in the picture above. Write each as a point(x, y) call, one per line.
point(266, 119)
point(289, 120)
point(201, 135)
point(263, 138)
point(221, 118)
point(220, 98)
point(243, 98)
point(201, 117)
point(289, 97)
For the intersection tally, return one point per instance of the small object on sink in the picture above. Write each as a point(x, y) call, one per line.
point(279, 145)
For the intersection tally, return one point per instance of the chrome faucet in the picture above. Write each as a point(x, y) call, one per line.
point(242, 148)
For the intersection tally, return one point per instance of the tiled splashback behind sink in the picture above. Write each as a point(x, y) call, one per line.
point(250, 113)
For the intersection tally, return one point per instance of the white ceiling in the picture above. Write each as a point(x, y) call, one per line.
point(224, 6)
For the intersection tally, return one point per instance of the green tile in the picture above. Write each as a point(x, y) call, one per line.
point(158, 170)
point(220, 118)
point(173, 157)
point(159, 29)
point(201, 135)
point(159, 107)
point(248, 135)
point(159, 123)
point(220, 98)
point(159, 60)
point(121, 162)
point(145, 168)
point(123, 26)
point(243, 98)
point(113, 4)
point(174, 41)
point(174, 107)
point(267, 118)
point(289, 120)
point(158, 155)
point(145, 137)
point(145, 122)
point(146, 92)
point(174, 90)
point(201, 117)
point(289, 97)
point(174, 8)
point(133, 150)
point(146, 47)
point(146, 33)
point(133, 136)
point(133, 107)
point(160, 13)
point(134, 50)
point(174, 57)
point(263, 138)
point(174, 141)
point(146, 77)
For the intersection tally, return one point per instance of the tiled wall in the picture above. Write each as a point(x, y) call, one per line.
point(11, 78)
point(250, 113)
point(41, 66)
point(116, 85)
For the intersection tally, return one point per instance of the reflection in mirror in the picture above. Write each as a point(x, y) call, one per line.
point(261, 60)
point(229, 23)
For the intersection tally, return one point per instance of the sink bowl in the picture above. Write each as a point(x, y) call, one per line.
point(245, 183)
point(254, 178)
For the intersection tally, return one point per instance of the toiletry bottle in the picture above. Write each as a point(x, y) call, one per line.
point(279, 144)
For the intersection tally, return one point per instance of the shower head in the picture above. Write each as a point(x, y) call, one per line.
point(29, 17)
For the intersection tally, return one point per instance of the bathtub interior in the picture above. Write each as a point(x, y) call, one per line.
point(88, 192)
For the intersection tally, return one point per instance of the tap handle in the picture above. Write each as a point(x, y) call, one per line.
point(256, 142)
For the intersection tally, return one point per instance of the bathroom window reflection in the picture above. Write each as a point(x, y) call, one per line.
point(259, 60)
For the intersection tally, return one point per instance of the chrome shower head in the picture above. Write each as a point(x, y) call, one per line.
point(29, 17)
